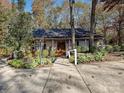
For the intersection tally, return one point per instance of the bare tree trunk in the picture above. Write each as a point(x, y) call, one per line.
point(92, 25)
point(71, 2)
point(120, 24)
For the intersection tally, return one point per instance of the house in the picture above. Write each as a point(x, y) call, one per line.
point(60, 39)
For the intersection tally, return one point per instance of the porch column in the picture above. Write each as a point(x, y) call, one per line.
point(69, 44)
point(52, 44)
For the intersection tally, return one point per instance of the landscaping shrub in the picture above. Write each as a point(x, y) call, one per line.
point(20, 54)
point(116, 48)
point(52, 59)
point(79, 49)
point(17, 63)
point(109, 48)
point(31, 65)
point(37, 52)
point(103, 51)
point(5, 51)
point(28, 54)
point(93, 49)
point(82, 59)
point(122, 47)
point(98, 56)
point(84, 49)
point(90, 57)
point(45, 53)
point(71, 59)
point(86, 58)
point(52, 53)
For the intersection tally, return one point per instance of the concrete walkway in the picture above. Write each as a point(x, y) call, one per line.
point(64, 77)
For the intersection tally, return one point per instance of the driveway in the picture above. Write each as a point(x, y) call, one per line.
point(106, 77)
point(64, 77)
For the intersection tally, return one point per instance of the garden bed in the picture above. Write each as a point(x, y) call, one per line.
point(35, 63)
point(117, 56)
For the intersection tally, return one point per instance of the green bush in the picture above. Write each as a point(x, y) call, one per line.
point(116, 48)
point(84, 49)
point(17, 63)
point(45, 53)
point(20, 54)
point(38, 52)
point(79, 49)
point(52, 59)
point(82, 59)
point(71, 59)
point(98, 56)
point(103, 51)
point(52, 53)
point(93, 49)
point(122, 47)
point(86, 58)
point(109, 48)
point(90, 57)
point(34, 63)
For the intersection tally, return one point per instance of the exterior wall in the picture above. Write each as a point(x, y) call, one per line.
point(68, 44)
point(84, 43)
point(51, 44)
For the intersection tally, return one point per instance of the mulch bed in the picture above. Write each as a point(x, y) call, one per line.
point(114, 57)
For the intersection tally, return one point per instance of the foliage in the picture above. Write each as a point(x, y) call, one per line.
point(98, 56)
point(79, 49)
point(4, 19)
point(83, 49)
point(103, 51)
point(20, 31)
point(37, 53)
point(20, 54)
point(71, 59)
point(45, 53)
point(52, 59)
point(116, 48)
point(52, 53)
point(16, 63)
point(122, 47)
point(109, 48)
point(93, 49)
point(86, 58)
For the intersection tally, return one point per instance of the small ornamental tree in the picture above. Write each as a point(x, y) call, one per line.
point(20, 31)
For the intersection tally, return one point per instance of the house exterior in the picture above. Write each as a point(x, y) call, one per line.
point(60, 39)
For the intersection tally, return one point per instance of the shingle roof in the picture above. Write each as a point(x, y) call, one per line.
point(62, 33)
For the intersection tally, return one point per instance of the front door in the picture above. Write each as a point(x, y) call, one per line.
point(61, 48)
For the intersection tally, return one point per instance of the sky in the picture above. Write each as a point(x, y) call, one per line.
point(28, 6)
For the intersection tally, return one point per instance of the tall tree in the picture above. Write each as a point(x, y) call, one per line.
point(108, 5)
point(92, 24)
point(21, 5)
point(4, 19)
point(39, 8)
point(71, 4)
point(20, 28)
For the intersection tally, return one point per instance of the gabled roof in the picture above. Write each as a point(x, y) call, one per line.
point(59, 33)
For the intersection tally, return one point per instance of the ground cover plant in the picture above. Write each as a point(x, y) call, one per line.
point(109, 53)
point(31, 60)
